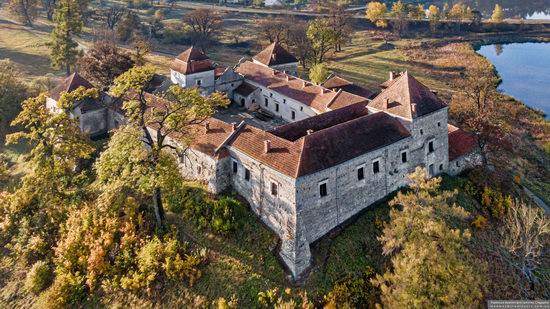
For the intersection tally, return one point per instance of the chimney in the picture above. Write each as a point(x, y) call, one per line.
point(386, 103)
point(273, 72)
point(321, 91)
point(304, 84)
point(413, 109)
point(234, 126)
point(207, 126)
point(287, 78)
point(392, 75)
point(309, 131)
point(267, 146)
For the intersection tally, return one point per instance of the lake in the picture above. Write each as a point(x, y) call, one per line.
point(525, 71)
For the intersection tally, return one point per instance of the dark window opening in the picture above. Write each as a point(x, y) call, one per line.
point(431, 147)
point(421, 132)
point(301, 108)
point(284, 100)
point(403, 157)
point(375, 167)
point(277, 107)
point(235, 167)
point(271, 95)
point(440, 167)
point(360, 173)
point(456, 163)
point(242, 102)
point(266, 102)
point(246, 174)
point(431, 169)
point(293, 115)
point(274, 189)
point(199, 82)
point(439, 124)
point(323, 189)
point(199, 169)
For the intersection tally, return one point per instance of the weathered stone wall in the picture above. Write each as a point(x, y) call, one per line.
point(94, 122)
point(190, 80)
point(228, 82)
point(289, 68)
point(464, 163)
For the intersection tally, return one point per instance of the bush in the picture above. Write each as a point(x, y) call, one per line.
point(38, 277)
point(496, 202)
point(480, 222)
point(353, 292)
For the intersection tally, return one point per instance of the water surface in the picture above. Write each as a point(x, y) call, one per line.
point(525, 71)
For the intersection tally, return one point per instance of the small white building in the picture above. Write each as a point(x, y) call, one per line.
point(192, 68)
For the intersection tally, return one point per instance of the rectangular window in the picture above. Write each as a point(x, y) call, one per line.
point(440, 167)
point(430, 146)
point(198, 82)
point(439, 124)
point(266, 102)
point(376, 167)
point(323, 189)
point(235, 167)
point(271, 95)
point(199, 169)
point(431, 169)
point(276, 107)
point(274, 189)
point(293, 115)
point(360, 173)
point(247, 174)
point(284, 101)
point(404, 157)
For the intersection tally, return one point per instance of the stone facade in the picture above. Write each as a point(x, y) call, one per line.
point(204, 80)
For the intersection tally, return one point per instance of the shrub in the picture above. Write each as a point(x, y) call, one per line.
point(353, 292)
point(496, 202)
point(38, 277)
point(480, 222)
point(67, 291)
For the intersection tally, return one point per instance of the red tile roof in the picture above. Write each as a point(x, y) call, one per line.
point(317, 97)
point(275, 54)
point(69, 84)
point(460, 142)
point(406, 94)
point(335, 83)
point(192, 60)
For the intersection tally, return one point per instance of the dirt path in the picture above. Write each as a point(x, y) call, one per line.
point(537, 201)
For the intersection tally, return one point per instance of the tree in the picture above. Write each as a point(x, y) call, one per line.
point(12, 92)
point(49, 6)
point(158, 119)
point(24, 10)
point(102, 63)
point(318, 73)
point(142, 47)
point(322, 37)
point(400, 14)
point(298, 43)
point(434, 16)
point(498, 14)
point(68, 23)
point(445, 11)
point(524, 237)
point(432, 266)
point(113, 15)
point(417, 12)
point(376, 12)
point(340, 23)
point(205, 24)
point(457, 12)
point(274, 29)
point(128, 26)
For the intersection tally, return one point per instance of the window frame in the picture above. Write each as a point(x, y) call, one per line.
point(246, 174)
point(323, 184)
point(360, 172)
point(235, 167)
point(274, 188)
point(431, 146)
point(198, 82)
point(405, 158)
point(377, 169)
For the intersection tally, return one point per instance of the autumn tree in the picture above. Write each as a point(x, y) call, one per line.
point(400, 14)
point(128, 26)
point(434, 15)
point(498, 14)
point(417, 12)
point(68, 24)
point(322, 38)
point(340, 22)
point(102, 63)
point(25, 11)
point(298, 43)
point(274, 29)
point(376, 13)
point(524, 240)
point(159, 119)
point(12, 92)
point(112, 15)
point(432, 266)
point(204, 24)
point(318, 73)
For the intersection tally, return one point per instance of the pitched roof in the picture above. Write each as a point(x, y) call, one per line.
point(69, 84)
point(321, 149)
point(408, 98)
point(335, 83)
point(192, 60)
point(460, 142)
point(317, 97)
point(275, 54)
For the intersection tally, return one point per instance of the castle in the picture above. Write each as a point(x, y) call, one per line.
point(341, 149)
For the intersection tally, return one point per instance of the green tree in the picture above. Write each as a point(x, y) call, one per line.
point(318, 73)
point(159, 119)
point(12, 92)
point(68, 23)
point(498, 14)
point(376, 12)
point(432, 267)
point(322, 37)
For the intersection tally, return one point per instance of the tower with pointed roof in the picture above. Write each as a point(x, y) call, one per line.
point(278, 58)
point(192, 68)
